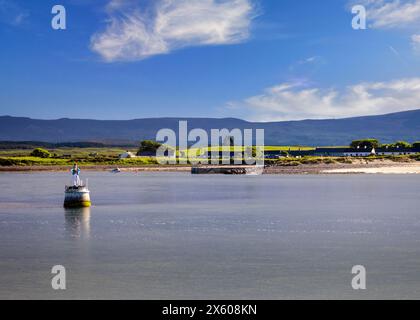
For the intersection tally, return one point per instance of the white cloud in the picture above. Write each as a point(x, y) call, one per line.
point(415, 41)
point(392, 13)
point(309, 60)
point(134, 34)
point(291, 101)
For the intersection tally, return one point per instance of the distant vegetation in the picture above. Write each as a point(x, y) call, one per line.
point(18, 154)
point(374, 143)
point(40, 153)
point(365, 143)
point(148, 146)
point(398, 144)
point(35, 161)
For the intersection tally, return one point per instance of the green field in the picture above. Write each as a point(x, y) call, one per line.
point(67, 156)
point(35, 161)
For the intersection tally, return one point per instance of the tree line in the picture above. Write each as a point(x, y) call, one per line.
point(374, 143)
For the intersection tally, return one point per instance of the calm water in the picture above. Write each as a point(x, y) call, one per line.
point(177, 236)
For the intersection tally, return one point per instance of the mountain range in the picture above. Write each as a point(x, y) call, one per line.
point(387, 128)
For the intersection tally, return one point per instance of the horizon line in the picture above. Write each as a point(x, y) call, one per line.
point(202, 118)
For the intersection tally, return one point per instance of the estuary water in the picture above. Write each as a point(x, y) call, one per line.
point(178, 236)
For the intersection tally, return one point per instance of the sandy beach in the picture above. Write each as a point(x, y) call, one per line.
point(406, 169)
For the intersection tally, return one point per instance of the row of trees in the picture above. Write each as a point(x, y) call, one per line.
point(374, 143)
point(148, 146)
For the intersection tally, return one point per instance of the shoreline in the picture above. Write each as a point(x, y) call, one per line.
point(358, 167)
point(54, 168)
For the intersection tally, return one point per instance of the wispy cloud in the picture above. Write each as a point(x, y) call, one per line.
point(392, 13)
point(135, 33)
point(415, 41)
point(296, 101)
point(309, 60)
point(394, 51)
point(308, 65)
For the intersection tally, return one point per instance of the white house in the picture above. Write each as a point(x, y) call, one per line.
point(397, 151)
point(127, 155)
point(360, 152)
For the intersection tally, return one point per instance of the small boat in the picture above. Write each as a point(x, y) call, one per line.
point(76, 196)
point(116, 170)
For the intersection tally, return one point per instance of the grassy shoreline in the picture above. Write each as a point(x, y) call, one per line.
point(15, 160)
point(306, 165)
point(112, 160)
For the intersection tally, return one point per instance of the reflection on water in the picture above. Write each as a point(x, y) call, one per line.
point(77, 222)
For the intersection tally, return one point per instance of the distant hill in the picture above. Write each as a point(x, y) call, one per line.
point(387, 128)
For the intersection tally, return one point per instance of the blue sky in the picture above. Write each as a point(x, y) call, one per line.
point(258, 60)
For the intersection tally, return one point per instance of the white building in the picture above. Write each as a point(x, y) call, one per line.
point(127, 155)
